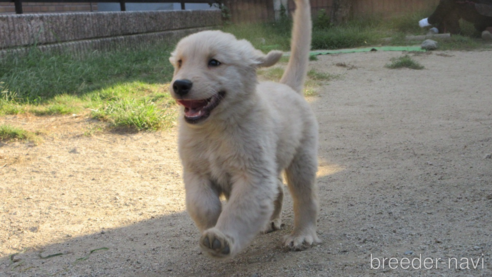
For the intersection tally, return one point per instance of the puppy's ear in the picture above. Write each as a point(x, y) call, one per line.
point(172, 59)
point(269, 59)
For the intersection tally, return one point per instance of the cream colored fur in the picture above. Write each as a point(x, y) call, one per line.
point(258, 131)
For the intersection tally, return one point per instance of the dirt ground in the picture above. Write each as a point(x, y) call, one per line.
point(405, 173)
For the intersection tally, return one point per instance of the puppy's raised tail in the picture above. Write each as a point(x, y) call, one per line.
point(296, 70)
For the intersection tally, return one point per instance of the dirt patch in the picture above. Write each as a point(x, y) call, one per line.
point(403, 172)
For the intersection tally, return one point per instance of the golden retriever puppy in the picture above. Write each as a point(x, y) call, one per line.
point(237, 136)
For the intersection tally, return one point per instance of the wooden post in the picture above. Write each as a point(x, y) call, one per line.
point(123, 6)
point(183, 5)
point(18, 6)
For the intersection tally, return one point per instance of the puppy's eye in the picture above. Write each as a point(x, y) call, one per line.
point(180, 62)
point(213, 63)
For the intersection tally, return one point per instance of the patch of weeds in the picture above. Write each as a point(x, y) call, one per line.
point(284, 59)
point(408, 22)
point(345, 36)
point(271, 74)
point(88, 255)
point(160, 97)
point(157, 93)
point(264, 36)
point(347, 66)
point(320, 76)
point(93, 130)
point(458, 42)
point(9, 133)
point(134, 114)
point(400, 39)
point(315, 80)
point(268, 48)
point(312, 84)
point(397, 29)
point(313, 57)
point(11, 108)
point(6, 94)
point(468, 29)
point(455, 42)
point(8, 104)
point(322, 20)
point(310, 88)
point(404, 62)
point(54, 109)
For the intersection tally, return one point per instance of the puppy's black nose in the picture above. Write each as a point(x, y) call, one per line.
point(182, 87)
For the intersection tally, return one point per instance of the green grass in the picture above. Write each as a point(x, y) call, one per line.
point(39, 77)
point(136, 105)
point(134, 114)
point(11, 108)
point(314, 80)
point(93, 130)
point(276, 36)
point(407, 23)
point(356, 33)
point(271, 74)
point(344, 36)
point(128, 87)
point(402, 26)
point(404, 62)
point(264, 36)
point(9, 133)
point(362, 32)
point(320, 76)
point(461, 42)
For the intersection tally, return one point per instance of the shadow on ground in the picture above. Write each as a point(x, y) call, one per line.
point(162, 246)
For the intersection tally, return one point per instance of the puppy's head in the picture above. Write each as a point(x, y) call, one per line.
point(213, 71)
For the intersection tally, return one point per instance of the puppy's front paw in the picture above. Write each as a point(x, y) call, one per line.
point(215, 243)
point(302, 240)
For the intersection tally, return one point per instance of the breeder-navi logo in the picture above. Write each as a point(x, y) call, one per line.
point(427, 263)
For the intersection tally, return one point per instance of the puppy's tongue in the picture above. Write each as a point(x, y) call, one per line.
point(193, 108)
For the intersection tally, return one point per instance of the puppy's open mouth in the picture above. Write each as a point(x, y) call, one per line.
point(198, 110)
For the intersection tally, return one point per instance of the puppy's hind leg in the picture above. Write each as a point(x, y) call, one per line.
point(301, 179)
point(275, 222)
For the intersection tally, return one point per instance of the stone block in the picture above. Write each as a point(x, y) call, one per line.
point(131, 23)
point(151, 20)
point(82, 23)
point(114, 27)
point(164, 21)
point(37, 29)
point(429, 44)
point(5, 33)
point(19, 29)
point(107, 24)
point(57, 28)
